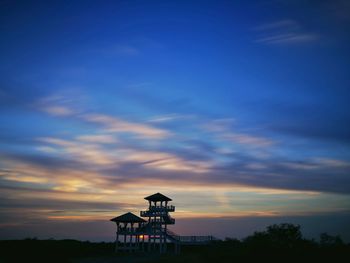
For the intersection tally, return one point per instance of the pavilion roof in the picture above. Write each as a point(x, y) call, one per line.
point(158, 197)
point(128, 218)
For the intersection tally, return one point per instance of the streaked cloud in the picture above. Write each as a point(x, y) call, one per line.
point(114, 124)
point(60, 193)
point(289, 38)
point(286, 32)
point(97, 138)
point(170, 117)
point(286, 23)
point(85, 151)
point(90, 153)
point(58, 110)
point(224, 129)
point(246, 139)
point(62, 106)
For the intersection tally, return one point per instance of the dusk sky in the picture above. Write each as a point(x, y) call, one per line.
point(237, 110)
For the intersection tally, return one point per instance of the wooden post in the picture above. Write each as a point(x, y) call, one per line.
point(130, 242)
point(149, 242)
point(131, 236)
point(124, 245)
point(160, 243)
point(117, 238)
point(153, 241)
point(166, 229)
point(143, 243)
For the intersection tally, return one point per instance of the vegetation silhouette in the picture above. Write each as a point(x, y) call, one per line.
point(278, 243)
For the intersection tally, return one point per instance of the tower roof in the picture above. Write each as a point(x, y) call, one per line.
point(158, 197)
point(128, 218)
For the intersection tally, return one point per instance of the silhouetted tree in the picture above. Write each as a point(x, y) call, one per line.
point(327, 240)
point(284, 234)
point(281, 235)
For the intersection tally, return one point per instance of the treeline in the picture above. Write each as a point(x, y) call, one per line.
point(278, 243)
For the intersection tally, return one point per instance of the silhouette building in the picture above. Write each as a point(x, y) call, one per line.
point(137, 234)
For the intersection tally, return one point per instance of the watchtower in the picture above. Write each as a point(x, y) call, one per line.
point(133, 231)
point(158, 220)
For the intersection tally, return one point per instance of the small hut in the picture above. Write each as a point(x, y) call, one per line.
point(129, 230)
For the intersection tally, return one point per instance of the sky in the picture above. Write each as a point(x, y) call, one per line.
point(237, 110)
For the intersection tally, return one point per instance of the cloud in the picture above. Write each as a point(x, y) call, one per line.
point(107, 158)
point(97, 138)
point(290, 38)
point(58, 110)
point(86, 152)
point(58, 205)
point(224, 154)
point(286, 23)
point(80, 151)
point(223, 130)
point(65, 104)
point(55, 191)
point(170, 117)
point(284, 32)
point(70, 106)
point(127, 167)
point(114, 124)
point(245, 139)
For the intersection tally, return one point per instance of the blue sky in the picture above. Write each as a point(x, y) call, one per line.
point(239, 106)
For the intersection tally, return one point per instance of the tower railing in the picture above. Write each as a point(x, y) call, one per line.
point(149, 213)
point(169, 208)
point(129, 230)
point(164, 220)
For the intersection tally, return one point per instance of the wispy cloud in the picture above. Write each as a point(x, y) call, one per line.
point(286, 32)
point(286, 23)
point(223, 130)
point(289, 38)
point(84, 152)
point(228, 154)
point(64, 106)
point(246, 139)
point(85, 192)
point(58, 110)
point(114, 124)
point(97, 138)
point(91, 153)
point(170, 117)
point(122, 160)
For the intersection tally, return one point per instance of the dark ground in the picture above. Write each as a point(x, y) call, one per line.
point(279, 243)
